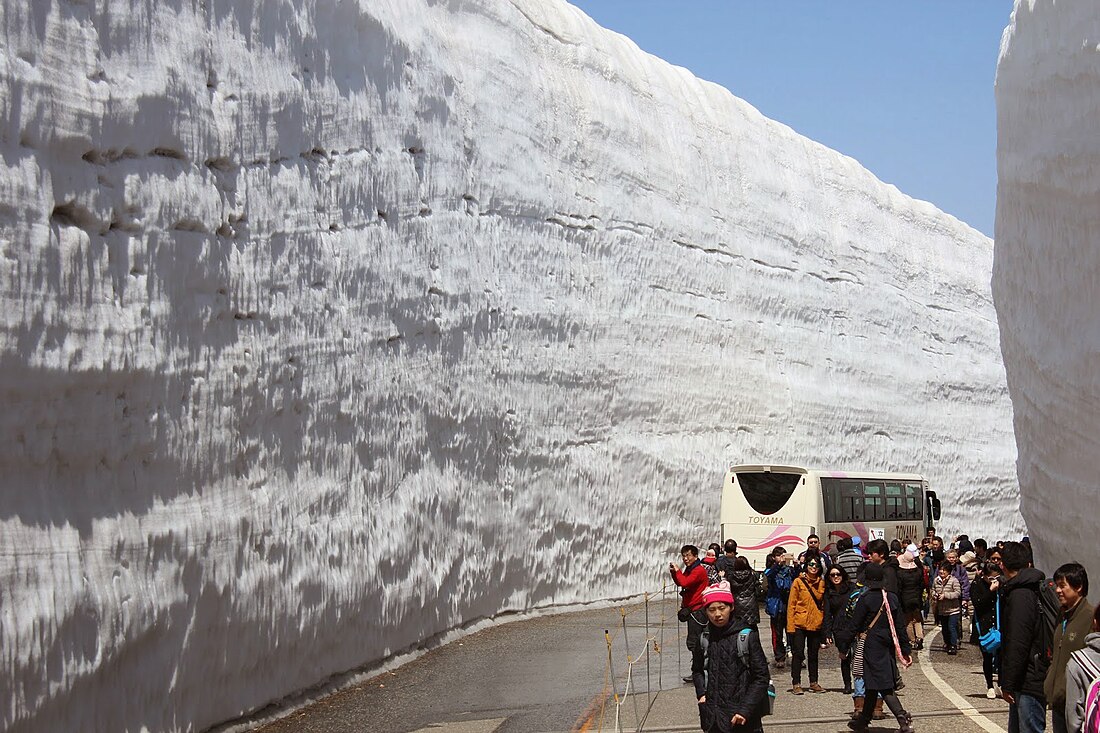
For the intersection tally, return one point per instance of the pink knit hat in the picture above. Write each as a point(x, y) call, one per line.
point(720, 591)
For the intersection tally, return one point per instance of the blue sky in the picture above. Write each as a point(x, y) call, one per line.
point(903, 86)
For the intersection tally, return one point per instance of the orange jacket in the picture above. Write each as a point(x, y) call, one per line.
point(805, 609)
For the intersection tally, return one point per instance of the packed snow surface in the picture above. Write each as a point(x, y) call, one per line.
point(328, 327)
point(1046, 275)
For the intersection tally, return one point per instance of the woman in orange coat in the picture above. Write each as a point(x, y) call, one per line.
point(805, 621)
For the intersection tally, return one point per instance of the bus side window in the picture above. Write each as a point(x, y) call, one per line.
point(873, 501)
point(851, 493)
point(895, 501)
point(914, 501)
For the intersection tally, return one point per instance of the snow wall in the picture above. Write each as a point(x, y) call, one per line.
point(1046, 275)
point(331, 326)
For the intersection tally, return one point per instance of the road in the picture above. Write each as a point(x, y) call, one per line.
point(550, 675)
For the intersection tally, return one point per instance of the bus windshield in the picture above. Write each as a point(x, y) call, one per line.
point(766, 493)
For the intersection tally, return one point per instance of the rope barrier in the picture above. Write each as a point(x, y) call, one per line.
point(653, 646)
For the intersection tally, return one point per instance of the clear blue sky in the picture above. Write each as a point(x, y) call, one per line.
point(903, 86)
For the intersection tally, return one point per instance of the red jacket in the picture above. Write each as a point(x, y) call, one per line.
point(692, 583)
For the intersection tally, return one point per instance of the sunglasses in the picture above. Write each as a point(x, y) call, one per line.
point(834, 575)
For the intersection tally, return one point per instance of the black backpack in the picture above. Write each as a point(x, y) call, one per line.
point(1050, 610)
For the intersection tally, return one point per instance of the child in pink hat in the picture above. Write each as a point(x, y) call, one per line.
point(729, 699)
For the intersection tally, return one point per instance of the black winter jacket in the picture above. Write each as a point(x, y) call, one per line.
point(836, 599)
point(724, 566)
point(890, 575)
point(985, 604)
point(1023, 661)
point(731, 686)
point(911, 588)
point(746, 609)
point(878, 649)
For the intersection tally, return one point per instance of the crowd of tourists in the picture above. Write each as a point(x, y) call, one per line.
point(869, 603)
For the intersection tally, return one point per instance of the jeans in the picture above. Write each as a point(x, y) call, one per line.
point(779, 635)
point(805, 645)
point(950, 625)
point(990, 663)
point(1027, 715)
point(860, 688)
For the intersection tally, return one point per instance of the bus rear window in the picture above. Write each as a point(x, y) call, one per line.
point(766, 493)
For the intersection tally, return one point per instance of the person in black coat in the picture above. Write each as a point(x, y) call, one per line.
point(873, 618)
point(983, 594)
point(1023, 661)
point(731, 691)
point(838, 587)
point(911, 595)
point(743, 585)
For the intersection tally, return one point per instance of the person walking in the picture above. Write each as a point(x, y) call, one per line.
point(878, 618)
point(780, 576)
point(708, 563)
point(878, 553)
point(813, 546)
point(847, 557)
point(724, 563)
point(1071, 584)
point(947, 606)
point(838, 589)
point(961, 574)
point(1023, 660)
point(805, 618)
point(911, 596)
point(1080, 674)
point(731, 687)
point(984, 595)
point(743, 584)
point(691, 581)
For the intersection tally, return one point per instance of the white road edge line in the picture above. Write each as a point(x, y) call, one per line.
point(925, 664)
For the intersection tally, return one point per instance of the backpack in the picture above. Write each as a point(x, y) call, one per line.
point(784, 579)
point(767, 707)
point(853, 599)
point(843, 631)
point(1090, 722)
point(1050, 610)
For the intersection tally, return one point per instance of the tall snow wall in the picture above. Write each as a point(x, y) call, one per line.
point(1046, 275)
point(328, 327)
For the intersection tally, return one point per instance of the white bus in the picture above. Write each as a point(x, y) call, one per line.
point(766, 506)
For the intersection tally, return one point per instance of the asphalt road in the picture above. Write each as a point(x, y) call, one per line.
point(538, 675)
point(552, 674)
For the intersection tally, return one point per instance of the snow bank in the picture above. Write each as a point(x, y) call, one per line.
point(1046, 276)
point(328, 327)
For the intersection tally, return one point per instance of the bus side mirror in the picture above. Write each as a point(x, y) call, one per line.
point(936, 509)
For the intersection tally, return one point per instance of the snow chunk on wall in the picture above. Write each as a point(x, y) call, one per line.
point(326, 328)
point(1046, 276)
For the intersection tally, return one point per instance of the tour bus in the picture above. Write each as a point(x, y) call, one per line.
point(766, 506)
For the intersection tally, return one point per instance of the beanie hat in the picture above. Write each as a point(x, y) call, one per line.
point(912, 550)
point(720, 591)
point(856, 540)
point(873, 576)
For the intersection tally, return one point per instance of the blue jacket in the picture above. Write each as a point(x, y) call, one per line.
point(775, 602)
